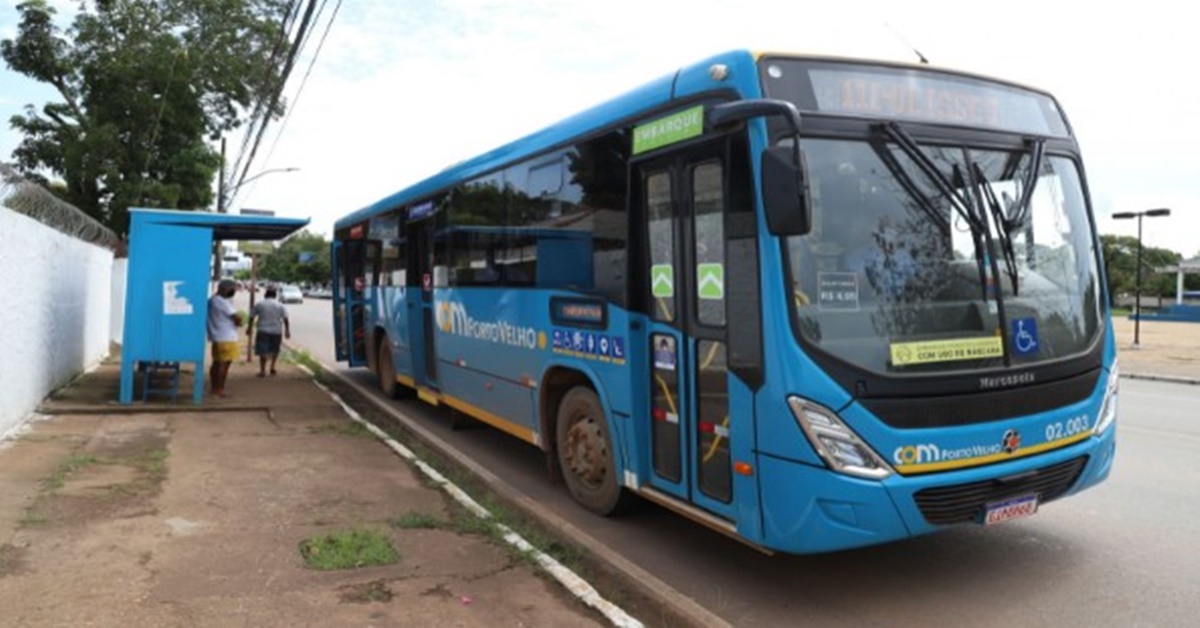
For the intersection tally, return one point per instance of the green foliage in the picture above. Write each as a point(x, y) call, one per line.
point(303, 358)
point(348, 550)
point(144, 84)
point(284, 264)
point(1120, 261)
point(73, 463)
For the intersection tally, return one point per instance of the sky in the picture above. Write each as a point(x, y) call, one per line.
point(402, 89)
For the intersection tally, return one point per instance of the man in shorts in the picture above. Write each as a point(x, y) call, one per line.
point(273, 327)
point(223, 323)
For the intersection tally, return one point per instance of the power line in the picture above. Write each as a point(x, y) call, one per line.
point(305, 23)
point(304, 81)
point(259, 115)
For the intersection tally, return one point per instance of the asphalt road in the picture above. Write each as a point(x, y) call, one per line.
point(1124, 553)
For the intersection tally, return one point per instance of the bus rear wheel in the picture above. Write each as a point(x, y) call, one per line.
point(585, 453)
point(387, 370)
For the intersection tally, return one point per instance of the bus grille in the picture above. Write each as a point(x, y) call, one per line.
point(964, 503)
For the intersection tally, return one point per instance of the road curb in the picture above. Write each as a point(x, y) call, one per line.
point(656, 589)
point(1162, 378)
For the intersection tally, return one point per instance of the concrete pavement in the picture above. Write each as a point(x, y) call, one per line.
point(1167, 351)
point(169, 514)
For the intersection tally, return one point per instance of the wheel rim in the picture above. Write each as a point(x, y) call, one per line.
point(587, 452)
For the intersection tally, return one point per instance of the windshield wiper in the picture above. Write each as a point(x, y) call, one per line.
point(1015, 215)
point(1004, 226)
point(930, 169)
point(914, 192)
point(961, 205)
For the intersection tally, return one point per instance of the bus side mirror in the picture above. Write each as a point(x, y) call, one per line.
point(785, 192)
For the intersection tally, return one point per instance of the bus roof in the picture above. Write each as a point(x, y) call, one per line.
point(685, 81)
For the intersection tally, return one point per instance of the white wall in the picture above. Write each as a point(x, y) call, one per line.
point(120, 271)
point(55, 313)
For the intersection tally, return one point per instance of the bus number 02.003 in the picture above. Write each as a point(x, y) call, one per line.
point(1068, 428)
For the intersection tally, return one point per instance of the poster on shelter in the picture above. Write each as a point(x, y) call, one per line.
point(175, 304)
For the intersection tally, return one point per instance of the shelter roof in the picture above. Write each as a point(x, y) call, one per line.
point(225, 226)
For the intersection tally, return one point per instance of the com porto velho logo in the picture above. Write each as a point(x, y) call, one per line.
point(928, 453)
point(453, 318)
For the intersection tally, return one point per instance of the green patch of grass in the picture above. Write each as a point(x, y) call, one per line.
point(348, 550)
point(418, 521)
point(300, 356)
point(73, 463)
point(152, 461)
point(344, 428)
point(32, 517)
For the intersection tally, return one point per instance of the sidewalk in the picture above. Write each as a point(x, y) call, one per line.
point(1168, 351)
point(170, 514)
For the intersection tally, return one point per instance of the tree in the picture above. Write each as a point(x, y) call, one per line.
point(302, 258)
point(145, 85)
point(1120, 261)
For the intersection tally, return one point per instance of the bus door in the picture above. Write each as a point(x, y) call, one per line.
point(420, 303)
point(682, 200)
point(349, 301)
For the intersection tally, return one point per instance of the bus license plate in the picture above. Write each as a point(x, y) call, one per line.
point(1009, 509)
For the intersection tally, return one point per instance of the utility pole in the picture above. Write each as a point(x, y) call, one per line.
point(217, 252)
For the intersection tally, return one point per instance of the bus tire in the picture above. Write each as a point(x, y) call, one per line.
point(386, 370)
point(585, 453)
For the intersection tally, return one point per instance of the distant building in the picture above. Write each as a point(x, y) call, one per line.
point(233, 260)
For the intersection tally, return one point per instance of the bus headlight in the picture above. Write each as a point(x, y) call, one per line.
point(1108, 409)
point(836, 443)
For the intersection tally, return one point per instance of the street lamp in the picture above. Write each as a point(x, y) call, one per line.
point(261, 174)
point(1137, 298)
point(223, 194)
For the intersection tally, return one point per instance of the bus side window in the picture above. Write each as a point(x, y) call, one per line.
point(566, 219)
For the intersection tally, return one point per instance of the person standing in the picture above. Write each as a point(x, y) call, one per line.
point(273, 327)
point(223, 323)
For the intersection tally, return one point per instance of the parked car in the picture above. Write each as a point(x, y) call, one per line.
point(290, 294)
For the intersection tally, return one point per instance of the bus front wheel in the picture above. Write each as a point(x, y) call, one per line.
point(585, 453)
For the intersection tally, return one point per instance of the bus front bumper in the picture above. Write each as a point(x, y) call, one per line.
point(809, 509)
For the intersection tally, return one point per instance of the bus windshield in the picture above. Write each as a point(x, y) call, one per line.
point(929, 258)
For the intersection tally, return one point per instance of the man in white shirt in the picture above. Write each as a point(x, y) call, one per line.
point(223, 322)
point(273, 327)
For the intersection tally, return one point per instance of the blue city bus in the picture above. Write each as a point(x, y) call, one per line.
point(813, 303)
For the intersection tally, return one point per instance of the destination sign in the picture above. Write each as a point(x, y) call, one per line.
point(912, 94)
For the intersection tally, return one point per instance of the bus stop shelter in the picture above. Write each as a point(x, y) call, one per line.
point(167, 288)
point(1186, 267)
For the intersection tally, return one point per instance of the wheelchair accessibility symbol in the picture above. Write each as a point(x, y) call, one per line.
point(1025, 336)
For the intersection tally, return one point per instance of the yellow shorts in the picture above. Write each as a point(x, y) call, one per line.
point(225, 351)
